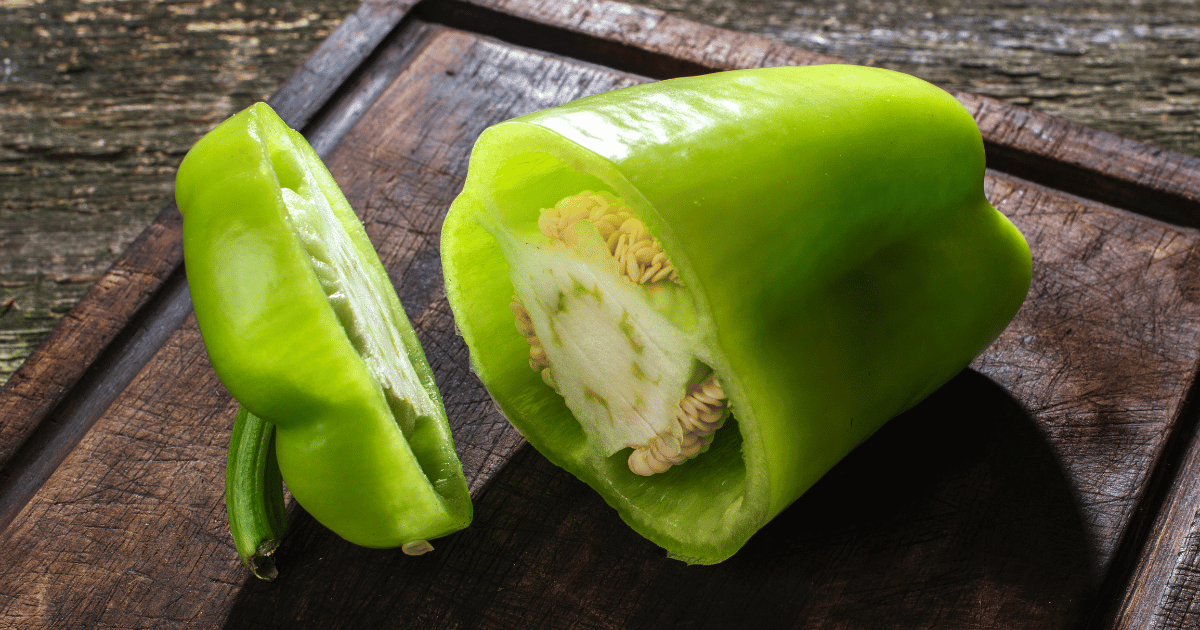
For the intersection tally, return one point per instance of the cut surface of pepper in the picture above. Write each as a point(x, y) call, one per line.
point(304, 328)
point(724, 283)
point(634, 380)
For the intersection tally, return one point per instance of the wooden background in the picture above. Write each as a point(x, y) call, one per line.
point(101, 98)
point(1057, 481)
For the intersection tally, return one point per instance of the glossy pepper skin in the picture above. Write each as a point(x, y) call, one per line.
point(830, 231)
point(304, 328)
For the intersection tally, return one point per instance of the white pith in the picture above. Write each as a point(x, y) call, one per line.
point(626, 371)
point(622, 382)
point(352, 289)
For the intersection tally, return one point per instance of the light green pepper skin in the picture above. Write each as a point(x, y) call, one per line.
point(376, 478)
point(830, 227)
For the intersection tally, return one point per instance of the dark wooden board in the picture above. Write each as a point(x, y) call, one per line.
point(64, 385)
point(102, 99)
point(1020, 495)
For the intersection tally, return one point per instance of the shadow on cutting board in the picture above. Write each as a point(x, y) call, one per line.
point(955, 514)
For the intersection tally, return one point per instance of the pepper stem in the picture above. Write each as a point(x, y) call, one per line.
point(254, 494)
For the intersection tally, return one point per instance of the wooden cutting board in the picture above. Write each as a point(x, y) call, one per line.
point(1055, 483)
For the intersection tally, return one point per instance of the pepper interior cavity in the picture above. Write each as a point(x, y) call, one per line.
point(627, 372)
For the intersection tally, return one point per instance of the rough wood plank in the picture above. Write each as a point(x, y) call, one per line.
point(52, 440)
point(1128, 68)
point(338, 56)
point(1089, 162)
point(1120, 489)
point(1105, 348)
point(1052, 151)
point(131, 285)
point(994, 504)
point(364, 86)
point(100, 100)
point(637, 30)
point(75, 344)
point(1164, 588)
point(85, 175)
point(130, 530)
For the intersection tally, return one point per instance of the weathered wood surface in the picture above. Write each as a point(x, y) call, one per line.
point(102, 98)
point(48, 404)
point(1131, 68)
point(1162, 588)
point(1037, 146)
point(1006, 500)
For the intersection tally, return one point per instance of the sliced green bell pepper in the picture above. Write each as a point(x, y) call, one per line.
point(304, 328)
point(725, 283)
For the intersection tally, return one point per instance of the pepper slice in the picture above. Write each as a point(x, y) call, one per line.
point(304, 328)
point(803, 254)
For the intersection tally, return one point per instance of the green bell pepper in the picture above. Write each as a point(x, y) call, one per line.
point(304, 328)
point(725, 283)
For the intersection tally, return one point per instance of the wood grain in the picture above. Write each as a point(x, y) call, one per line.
point(1128, 68)
point(1009, 499)
point(101, 99)
point(90, 147)
point(90, 336)
point(130, 530)
point(1052, 151)
point(1088, 162)
point(339, 55)
point(1162, 589)
point(995, 503)
point(1104, 349)
point(50, 372)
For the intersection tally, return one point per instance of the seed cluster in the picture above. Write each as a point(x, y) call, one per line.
point(538, 360)
point(699, 414)
point(640, 257)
